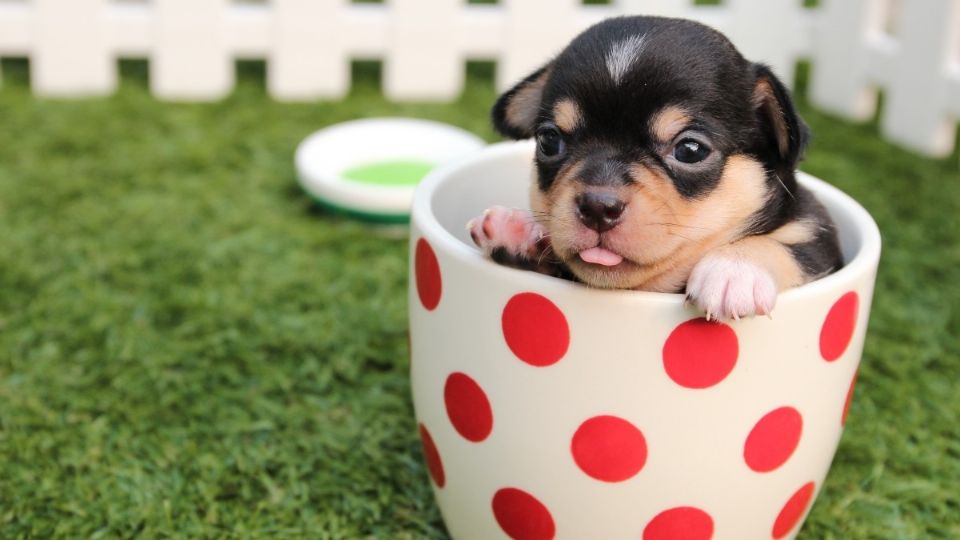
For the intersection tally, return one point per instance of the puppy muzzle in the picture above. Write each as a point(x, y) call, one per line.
point(599, 210)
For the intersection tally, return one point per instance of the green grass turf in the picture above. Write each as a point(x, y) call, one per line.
point(190, 348)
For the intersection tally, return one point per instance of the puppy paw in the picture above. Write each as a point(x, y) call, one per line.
point(730, 287)
point(507, 235)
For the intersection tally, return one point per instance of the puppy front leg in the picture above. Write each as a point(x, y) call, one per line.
point(512, 237)
point(742, 279)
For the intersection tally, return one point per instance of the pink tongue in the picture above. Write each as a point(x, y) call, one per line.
point(598, 255)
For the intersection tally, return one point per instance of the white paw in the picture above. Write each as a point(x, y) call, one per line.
point(729, 287)
point(511, 230)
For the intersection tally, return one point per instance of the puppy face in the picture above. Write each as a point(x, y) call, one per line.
point(656, 142)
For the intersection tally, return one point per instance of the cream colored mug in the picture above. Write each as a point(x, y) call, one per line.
point(551, 410)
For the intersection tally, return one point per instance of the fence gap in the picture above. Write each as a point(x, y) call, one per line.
point(956, 145)
point(881, 101)
point(366, 75)
point(14, 72)
point(801, 81)
point(134, 72)
point(251, 74)
point(480, 75)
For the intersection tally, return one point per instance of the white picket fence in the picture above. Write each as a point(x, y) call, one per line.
point(910, 49)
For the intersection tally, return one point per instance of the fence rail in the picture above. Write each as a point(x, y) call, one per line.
point(909, 50)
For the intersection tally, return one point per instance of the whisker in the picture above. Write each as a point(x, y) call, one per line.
point(668, 224)
point(679, 236)
point(777, 176)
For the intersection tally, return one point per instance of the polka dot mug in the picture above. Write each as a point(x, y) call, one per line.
point(551, 410)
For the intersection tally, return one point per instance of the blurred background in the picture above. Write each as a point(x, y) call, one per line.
point(190, 347)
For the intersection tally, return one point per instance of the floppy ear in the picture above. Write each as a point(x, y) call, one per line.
point(515, 113)
point(778, 118)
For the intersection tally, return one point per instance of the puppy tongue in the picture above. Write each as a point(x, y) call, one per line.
point(599, 255)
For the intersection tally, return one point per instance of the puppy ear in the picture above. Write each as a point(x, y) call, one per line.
point(778, 117)
point(515, 113)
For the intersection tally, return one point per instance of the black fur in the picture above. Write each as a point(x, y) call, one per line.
point(821, 255)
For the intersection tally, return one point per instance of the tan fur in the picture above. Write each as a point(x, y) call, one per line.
point(522, 110)
point(795, 232)
point(663, 235)
point(566, 114)
point(690, 229)
point(764, 98)
point(668, 123)
point(538, 200)
point(545, 205)
point(562, 189)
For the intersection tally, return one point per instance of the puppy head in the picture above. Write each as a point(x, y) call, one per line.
point(656, 141)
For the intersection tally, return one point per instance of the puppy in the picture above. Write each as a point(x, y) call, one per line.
point(664, 162)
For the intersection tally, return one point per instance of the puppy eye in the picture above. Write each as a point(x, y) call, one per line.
point(550, 143)
point(690, 151)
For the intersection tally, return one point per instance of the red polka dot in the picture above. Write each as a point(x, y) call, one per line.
point(468, 407)
point(837, 330)
point(432, 456)
point(609, 448)
point(535, 329)
point(849, 400)
point(522, 516)
point(699, 353)
point(773, 439)
point(791, 513)
point(681, 523)
point(427, 271)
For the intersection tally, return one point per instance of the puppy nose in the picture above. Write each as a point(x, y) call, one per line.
point(599, 211)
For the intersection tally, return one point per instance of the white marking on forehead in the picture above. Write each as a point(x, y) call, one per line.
point(622, 55)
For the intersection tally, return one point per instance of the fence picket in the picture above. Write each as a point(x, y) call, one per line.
point(71, 56)
point(780, 44)
point(423, 61)
point(528, 41)
point(916, 112)
point(308, 57)
point(189, 60)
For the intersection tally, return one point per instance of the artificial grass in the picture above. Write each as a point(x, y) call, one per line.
point(190, 348)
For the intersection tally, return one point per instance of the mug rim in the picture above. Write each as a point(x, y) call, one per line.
point(863, 262)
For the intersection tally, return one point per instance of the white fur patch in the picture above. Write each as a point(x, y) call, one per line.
point(622, 55)
point(726, 287)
